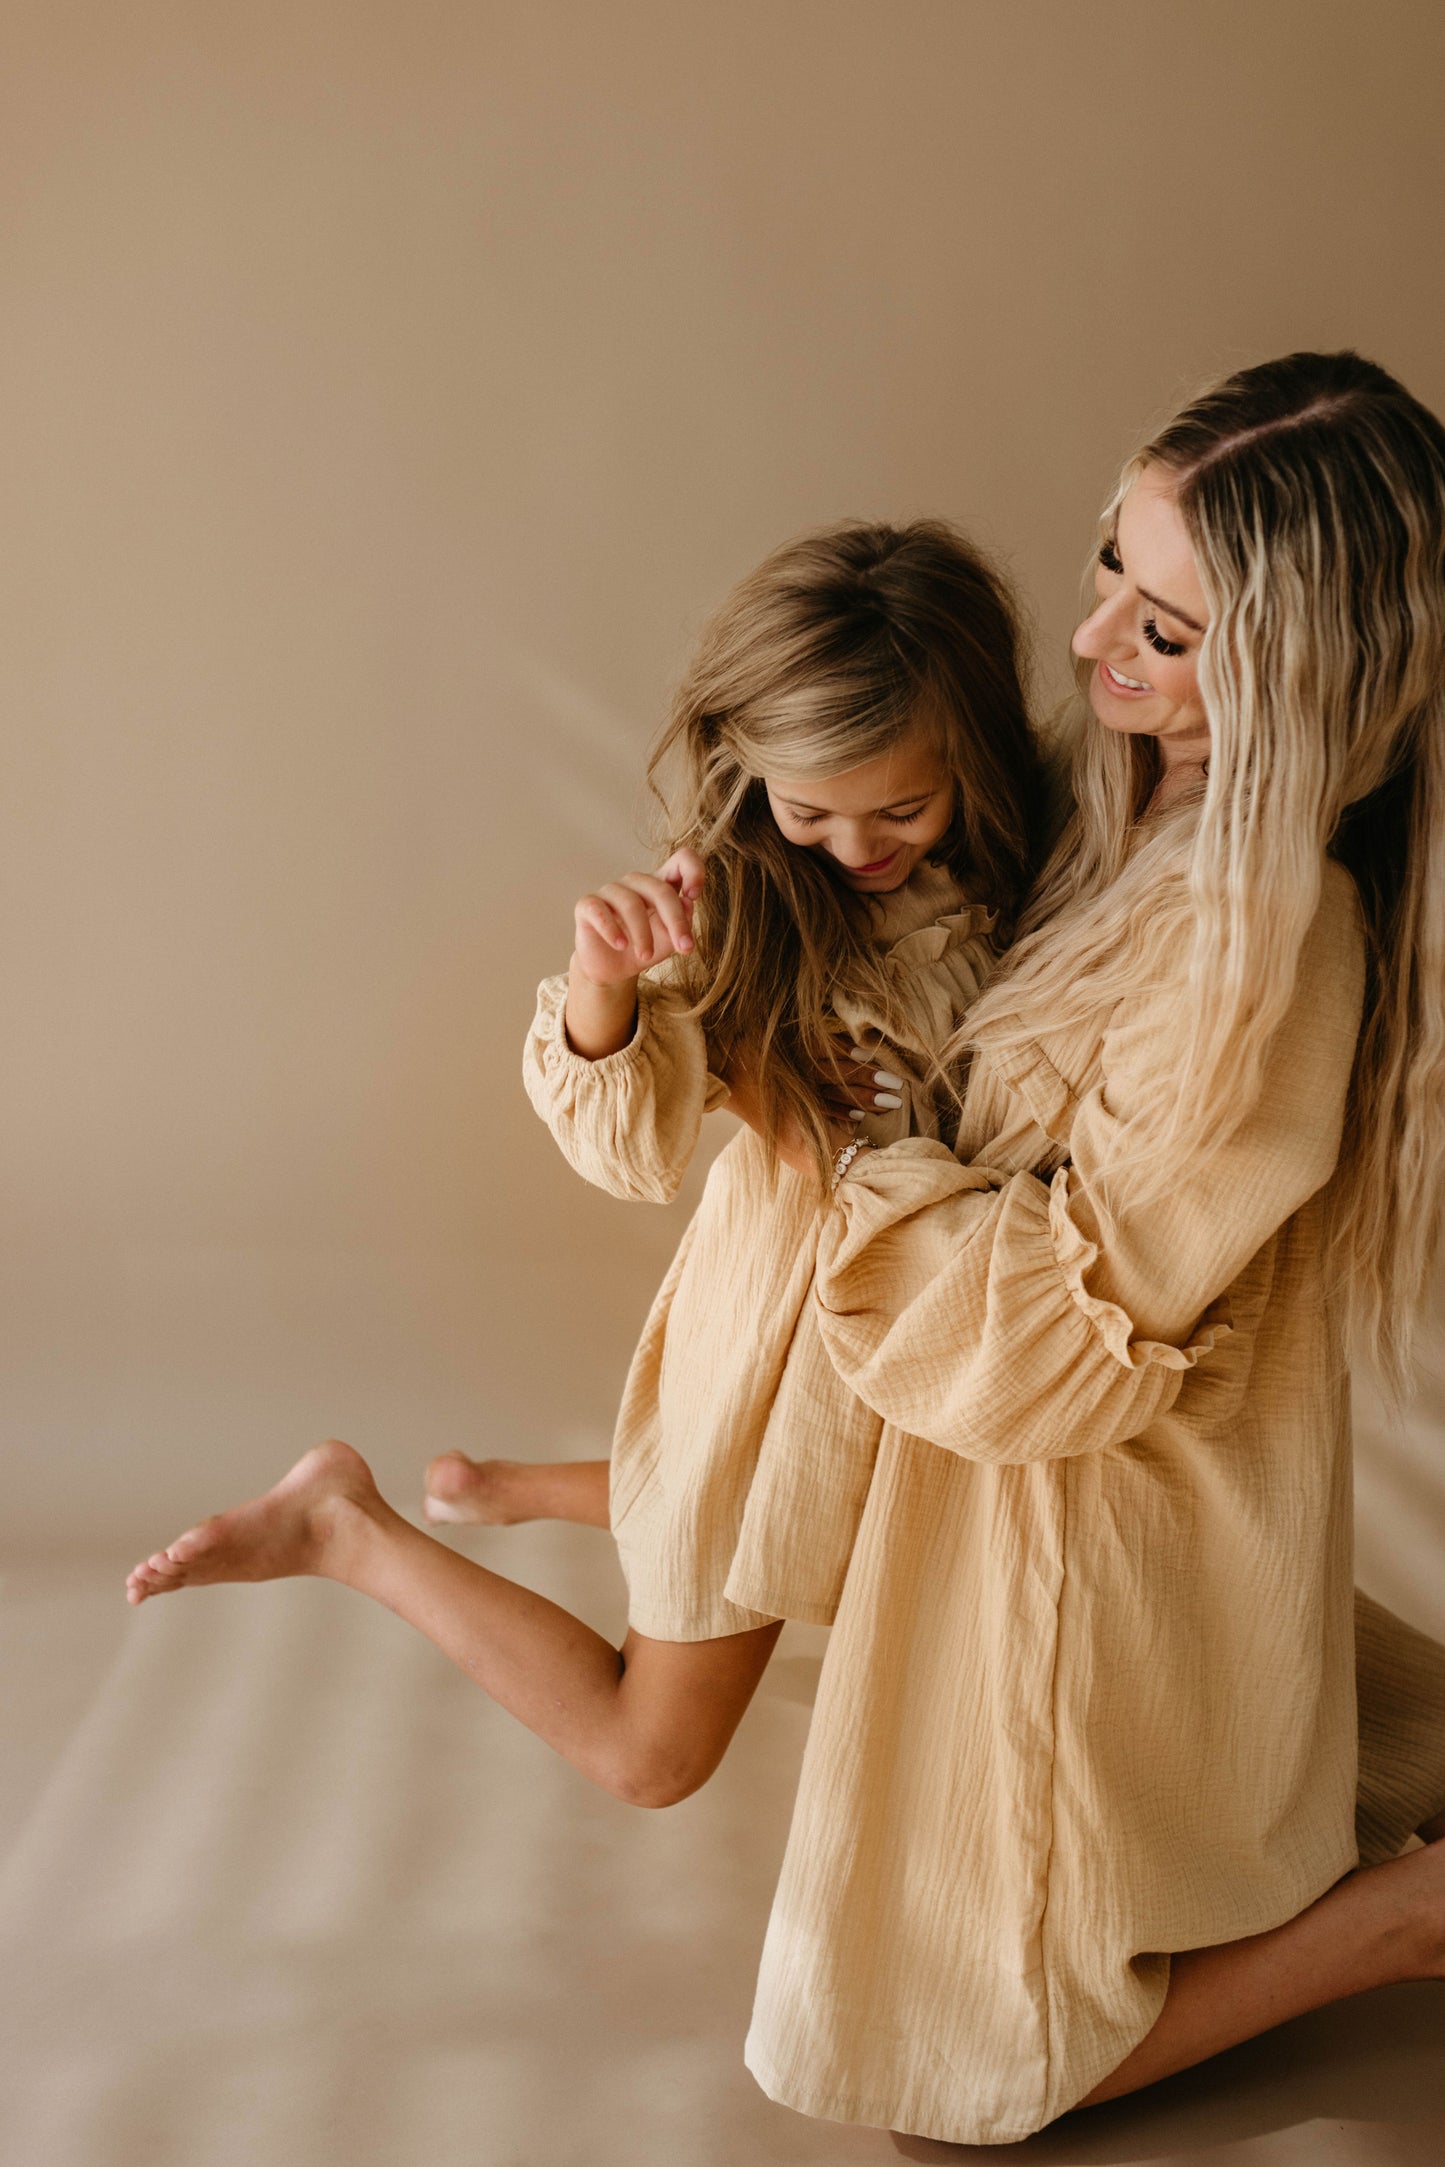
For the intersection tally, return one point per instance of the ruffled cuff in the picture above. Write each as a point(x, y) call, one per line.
point(953, 1300)
point(549, 1029)
point(1077, 1257)
point(628, 1122)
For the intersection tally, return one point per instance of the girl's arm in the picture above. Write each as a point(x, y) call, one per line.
point(614, 1064)
point(1008, 1320)
point(626, 928)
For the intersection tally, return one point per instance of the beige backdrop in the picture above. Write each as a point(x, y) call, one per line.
point(385, 394)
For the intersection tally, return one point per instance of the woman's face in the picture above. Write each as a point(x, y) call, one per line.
point(1143, 636)
point(875, 822)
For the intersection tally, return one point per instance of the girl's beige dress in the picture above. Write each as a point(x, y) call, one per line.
point(1090, 1692)
point(698, 1451)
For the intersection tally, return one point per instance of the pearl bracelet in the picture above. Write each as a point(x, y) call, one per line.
point(844, 1158)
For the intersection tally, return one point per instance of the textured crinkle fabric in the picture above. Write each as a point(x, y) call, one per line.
point(1090, 1693)
point(1400, 1689)
point(740, 1460)
point(1077, 1490)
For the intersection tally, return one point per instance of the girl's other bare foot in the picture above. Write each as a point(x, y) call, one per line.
point(294, 1528)
point(477, 1493)
point(498, 1493)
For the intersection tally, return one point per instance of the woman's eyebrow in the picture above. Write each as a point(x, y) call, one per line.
point(1171, 609)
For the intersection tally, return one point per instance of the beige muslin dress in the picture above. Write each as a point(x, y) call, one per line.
point(1079, 1496)
point(707, 1546)
point(1090, 1693)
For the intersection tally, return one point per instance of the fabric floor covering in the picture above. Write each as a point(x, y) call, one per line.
point(289, 1891)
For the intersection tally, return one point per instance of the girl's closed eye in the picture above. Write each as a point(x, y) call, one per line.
point(810, 820)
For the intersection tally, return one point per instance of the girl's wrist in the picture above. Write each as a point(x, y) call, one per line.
point(598, 1019)
point(617, 989)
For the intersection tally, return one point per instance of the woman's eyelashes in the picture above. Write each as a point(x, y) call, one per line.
point(1110, 559)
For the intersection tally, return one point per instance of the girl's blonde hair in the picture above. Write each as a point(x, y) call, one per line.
point(1313, 491)
point(824, 658)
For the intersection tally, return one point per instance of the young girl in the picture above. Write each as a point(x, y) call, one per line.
point(857, 821)
point(833, 914)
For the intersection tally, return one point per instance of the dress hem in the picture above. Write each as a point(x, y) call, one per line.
point(872, 2114)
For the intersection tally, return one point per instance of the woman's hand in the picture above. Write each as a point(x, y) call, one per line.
point(620, 931)
point(858, 1083)
point(636, 921)
point(791, 1146)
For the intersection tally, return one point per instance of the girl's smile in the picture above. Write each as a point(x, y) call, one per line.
point(876, 821)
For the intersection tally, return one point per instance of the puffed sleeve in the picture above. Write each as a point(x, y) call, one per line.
point(1007, 1319)
point(629, 1122)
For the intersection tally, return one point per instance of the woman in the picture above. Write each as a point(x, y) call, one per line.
point(1078, 1803)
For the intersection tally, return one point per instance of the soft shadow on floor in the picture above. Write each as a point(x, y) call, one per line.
point(282, 1887)
point(1360, 2084)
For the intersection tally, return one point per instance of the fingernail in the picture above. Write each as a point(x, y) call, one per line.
point(854, 1114)
point(860, 1053)
point(890, 1099)
point(884, 1076)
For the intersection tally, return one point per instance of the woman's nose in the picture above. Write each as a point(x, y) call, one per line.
point(1099, 630)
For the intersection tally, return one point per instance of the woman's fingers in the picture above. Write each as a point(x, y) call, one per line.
point(840, 1109)
point(862, 1080)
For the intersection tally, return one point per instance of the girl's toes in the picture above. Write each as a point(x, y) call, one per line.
point(439, 1512)
point(448, 1473)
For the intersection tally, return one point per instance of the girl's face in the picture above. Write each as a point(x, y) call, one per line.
point(875, 822)
point(1143, 637)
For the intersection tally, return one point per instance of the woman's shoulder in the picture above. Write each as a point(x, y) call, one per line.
point(1148, 1022)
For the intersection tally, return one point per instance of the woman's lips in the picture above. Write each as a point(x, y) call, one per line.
point(1124, 688)
point(881, 865)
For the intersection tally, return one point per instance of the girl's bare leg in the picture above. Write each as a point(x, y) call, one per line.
point(498, 1493)
point(649, 1721)
point(1378, 1926)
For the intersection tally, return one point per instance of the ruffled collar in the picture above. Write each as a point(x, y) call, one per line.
point(919, 951)
point(929, 893)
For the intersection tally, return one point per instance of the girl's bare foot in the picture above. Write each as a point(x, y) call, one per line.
point(476, 1493)
point(294, 1528)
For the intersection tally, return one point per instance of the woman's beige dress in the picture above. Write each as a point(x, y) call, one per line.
point(1079, 1495)
point(1090, 1694)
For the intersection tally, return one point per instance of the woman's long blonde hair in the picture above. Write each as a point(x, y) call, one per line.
point(837, 646)
point(1313, 491)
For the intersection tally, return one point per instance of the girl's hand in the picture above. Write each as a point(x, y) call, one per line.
point(636, 921)
point(859, 1083)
